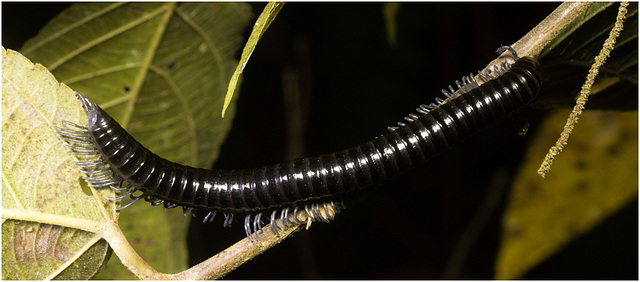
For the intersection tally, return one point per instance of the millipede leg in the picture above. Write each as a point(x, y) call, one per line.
point(274, 224)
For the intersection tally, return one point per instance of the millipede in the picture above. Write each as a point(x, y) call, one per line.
point(313, 185)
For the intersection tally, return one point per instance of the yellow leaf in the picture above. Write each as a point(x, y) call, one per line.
point(596, 175)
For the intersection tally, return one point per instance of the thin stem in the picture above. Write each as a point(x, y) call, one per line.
point(608, 46)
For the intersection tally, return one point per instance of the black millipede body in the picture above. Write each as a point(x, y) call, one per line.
point(309, 184)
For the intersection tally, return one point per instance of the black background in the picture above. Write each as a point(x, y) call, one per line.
point(357, 84)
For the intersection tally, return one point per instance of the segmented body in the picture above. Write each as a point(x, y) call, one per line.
point(309, 184)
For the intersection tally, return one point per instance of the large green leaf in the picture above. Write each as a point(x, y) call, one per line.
point(161, 70)
point(157, 68)
point(41, 195)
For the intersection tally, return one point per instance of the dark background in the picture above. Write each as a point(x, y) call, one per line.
point(356, 84)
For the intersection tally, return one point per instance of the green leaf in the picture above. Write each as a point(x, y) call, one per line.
point(161, 70)
point(268, 15)
point(44, 210)
point(157, 68)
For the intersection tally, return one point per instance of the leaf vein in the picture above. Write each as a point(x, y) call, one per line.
point(222, 81)
point(12, 191)
point(101, 72)
point(69, 28)
point(146, 62)
point(103, 38)
point(186, 110)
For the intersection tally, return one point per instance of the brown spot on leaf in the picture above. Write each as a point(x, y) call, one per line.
point(46, 240)
point(62, 253)
point(580, 164)
point(513, 229)
point(144, 242)
point(139, 9)
point(581, 186)
point(614, 148)
point(30, 246)
point(172, 65)
point(23, 242)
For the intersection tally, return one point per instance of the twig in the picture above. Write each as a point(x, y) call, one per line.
point(609, 44)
